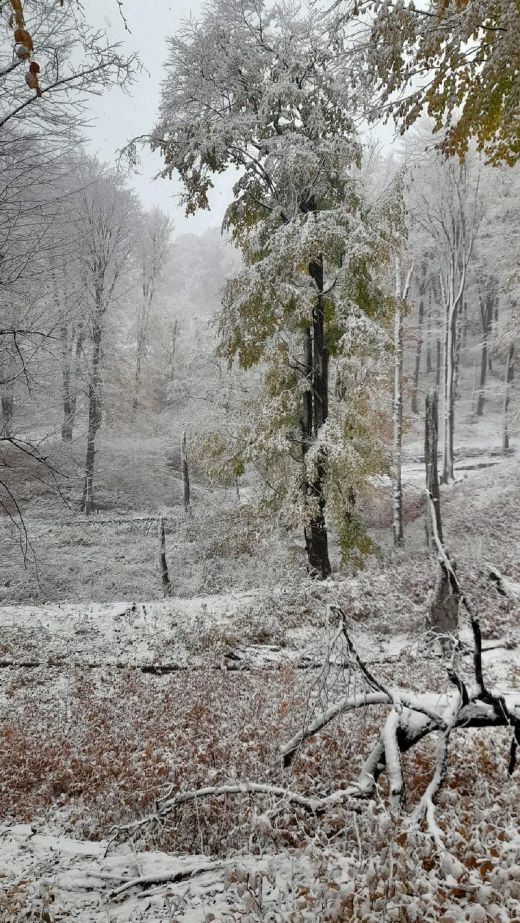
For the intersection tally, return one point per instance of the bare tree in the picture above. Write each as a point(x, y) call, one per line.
point(153, 249)
point(52, 60)
point(449, 209)
point(45, 81)
point(107, 213)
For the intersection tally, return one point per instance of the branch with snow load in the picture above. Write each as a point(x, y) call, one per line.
point(414, 716)
point(411, 717)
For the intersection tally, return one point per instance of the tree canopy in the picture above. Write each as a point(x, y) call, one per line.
point(459, 61)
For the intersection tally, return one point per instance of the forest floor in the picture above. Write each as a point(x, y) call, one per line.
point(106, 698)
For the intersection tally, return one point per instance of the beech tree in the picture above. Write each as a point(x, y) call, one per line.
point(458, 62)
point(107, 214)
point(256, 88)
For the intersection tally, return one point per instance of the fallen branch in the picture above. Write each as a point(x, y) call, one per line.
point(503, 585)
point(393, 760)
point(162, 878)
point(166, 805)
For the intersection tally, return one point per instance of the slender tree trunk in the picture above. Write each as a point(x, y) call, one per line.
point(509, 378)
point(438, 362)
point(174, 336)
point(493, 323)
point(7, 408)
point(7, 374)
point(450, 335)
point(70, 363)
point(185, 474)
point(429, 366)
point(80, 337)
point(418, 351)
point(94, 415)
point(483, 375)
point(456, 362)
point(487, 306)
point(431, 430)
point(464, 326)
point(163, 563)
point(140, 354)
point(66, 350)
point(137, 384)
point(397, 527)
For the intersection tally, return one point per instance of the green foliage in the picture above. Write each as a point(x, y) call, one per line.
point(470, 51)
point(218, 461)
point(353, 540)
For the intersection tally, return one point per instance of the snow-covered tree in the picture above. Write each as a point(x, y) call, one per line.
point(257, 88)
point(449, 208)
point(107, 215)
point(151, 258)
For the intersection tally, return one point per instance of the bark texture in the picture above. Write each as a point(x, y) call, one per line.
point(431, 429)
point(314, 415)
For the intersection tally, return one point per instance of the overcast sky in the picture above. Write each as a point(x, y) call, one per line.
point(117, 117)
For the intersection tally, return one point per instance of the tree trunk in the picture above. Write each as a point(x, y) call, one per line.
point(314, 415)
point(141, 346)
point(70, 362)
point(397, 526)
point(464, 326)
point(74, 391)
point(66, 349)
point(487, 310)
point(509, 378)
point(418, 351)
point(94, 415)
point(456, 362)
point(185, 474)
point(163, 563)
point(7, 408)
point(431, 429)
point(450, 345)
point(438, 366)
point(444, 607)
point(483, 374)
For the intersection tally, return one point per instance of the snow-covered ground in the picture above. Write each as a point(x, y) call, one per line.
point(104, 703)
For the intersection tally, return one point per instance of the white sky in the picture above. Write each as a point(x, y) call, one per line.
point(116, 117)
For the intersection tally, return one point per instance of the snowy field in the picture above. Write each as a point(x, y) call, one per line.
point(104, 707)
